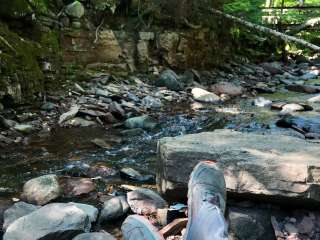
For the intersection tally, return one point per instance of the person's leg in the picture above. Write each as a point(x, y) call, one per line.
point(137, 227)
point(206, 203)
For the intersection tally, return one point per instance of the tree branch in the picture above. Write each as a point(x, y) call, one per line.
point(266, 30)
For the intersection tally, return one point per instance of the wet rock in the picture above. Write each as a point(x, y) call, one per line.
point(244, 227)
point(145, 201)
point(79, 122)
point(100, 170)
point(263, 88)
point(134, 226)
point(290, 229)
point(70, 114)
point(133, 97)
point(273, 67)
point(315, 99)
point(151, 102)
point(278, 105)
point(24, 128)
point(114, 208)
point(307, 125)
point(132, 132)
point(291, 107)
point(102, 93)
point(202, 95)
point(174, 228)
point(133, 175)
point(169, 79)
point(75, 10)
point(303, 88)
point(5, 141)
point(312, 135)
point(306, 226)
point(245, 157)
point(91, 211)
point(276, 227)
point(262, 102)
point(41, 190)
point(53, 221)
point(227, 88)
point(101, 143)
point(94, 236)
point(6, 123)
point(4, 205)
point(76, 168)
point(73, 187)
point(116, 110)
point(144, 122)
point(109, 118)
point(91, 113)
point(309, 75)
point(48, 106)
point(18, 210)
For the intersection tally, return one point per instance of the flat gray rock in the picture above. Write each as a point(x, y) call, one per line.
point(145, 201)
point(61, 221)
point(18, 210)
point(41, 190)
point(114, 208)
point(270, 165)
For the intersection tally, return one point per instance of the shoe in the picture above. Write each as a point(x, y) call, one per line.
point(206, 203)
point(137, 227)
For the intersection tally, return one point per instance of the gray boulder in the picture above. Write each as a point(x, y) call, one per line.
point(18, 210)
point(75, 10)
point(94, 236)
point(202, 95)
point(144, 122)
point(114, 208)
point(151, 102)
point(274, 165)
point(41, 190)
point(169, 79)
point(24, 128)
point(145, 201)
point(227, 88)
point(61, 221)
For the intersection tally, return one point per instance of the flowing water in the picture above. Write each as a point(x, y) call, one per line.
point(51, 152)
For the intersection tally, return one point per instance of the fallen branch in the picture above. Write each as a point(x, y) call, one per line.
point(8, 44)
point(310, 23)
point(98, 30)
point(266, 30)
point(190, 25)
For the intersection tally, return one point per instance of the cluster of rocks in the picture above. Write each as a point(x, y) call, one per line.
point(41, 216)
point(303, 226)
point(100, 102)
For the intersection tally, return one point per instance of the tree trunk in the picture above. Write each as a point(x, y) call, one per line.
point(269, 31)
point(310, 23)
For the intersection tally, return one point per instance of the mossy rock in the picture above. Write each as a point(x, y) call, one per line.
point(19, 64)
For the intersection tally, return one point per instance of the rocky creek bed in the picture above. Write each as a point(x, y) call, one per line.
point(97, 145)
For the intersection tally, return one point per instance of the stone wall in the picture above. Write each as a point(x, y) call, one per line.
point(126, 51)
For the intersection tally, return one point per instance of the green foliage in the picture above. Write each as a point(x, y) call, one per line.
point(102, 5)
point(250, 9)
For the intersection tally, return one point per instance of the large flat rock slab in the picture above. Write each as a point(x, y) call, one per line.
point(268, 165)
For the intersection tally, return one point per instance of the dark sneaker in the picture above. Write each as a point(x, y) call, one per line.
point(206, 203)
point(137, 227)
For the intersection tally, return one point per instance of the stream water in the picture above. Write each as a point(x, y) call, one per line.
point(52, 151)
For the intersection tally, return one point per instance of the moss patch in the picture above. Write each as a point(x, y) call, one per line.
point(19, 63)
